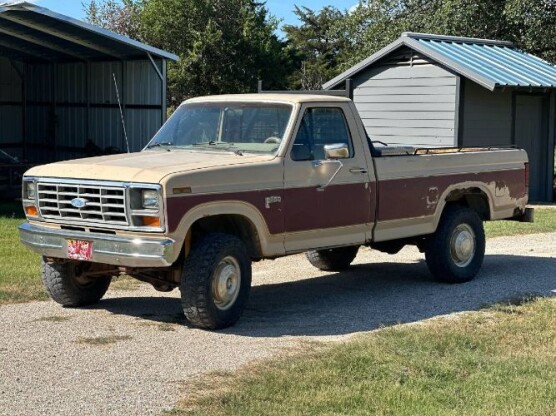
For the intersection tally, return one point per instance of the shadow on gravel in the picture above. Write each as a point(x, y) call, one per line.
point(158, 309)
point(363, 298)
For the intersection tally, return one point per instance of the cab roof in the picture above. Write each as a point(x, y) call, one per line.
point(276, 97)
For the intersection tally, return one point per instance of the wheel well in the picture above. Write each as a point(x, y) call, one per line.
point(473, 198)
point(236, 225)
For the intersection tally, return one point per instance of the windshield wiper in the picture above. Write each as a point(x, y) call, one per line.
point(160, 144)
point(210, 143)
point(231, 147)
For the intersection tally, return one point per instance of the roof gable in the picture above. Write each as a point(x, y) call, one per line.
point(491, 64)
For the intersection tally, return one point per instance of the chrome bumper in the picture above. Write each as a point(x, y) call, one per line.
point(107, 248)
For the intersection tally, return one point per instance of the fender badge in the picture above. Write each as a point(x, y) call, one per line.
point(271, 200)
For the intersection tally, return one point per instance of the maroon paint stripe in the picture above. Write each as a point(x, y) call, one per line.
point(301, 209)
point(177, 207)
point(336, 206)
point(304, 209)
point(412, 197)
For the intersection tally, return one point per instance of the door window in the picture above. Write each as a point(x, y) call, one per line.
point(319, 127)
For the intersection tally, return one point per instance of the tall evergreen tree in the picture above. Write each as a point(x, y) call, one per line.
point(530, 24)
point(224, 46)
point(314, 45)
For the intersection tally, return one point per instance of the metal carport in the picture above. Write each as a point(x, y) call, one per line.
point(57, 94)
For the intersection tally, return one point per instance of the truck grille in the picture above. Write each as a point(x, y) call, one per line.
point(102, 204)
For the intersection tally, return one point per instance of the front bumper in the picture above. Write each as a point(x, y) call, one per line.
point(107, 248)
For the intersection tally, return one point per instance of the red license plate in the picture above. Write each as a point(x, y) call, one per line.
point(80, 250)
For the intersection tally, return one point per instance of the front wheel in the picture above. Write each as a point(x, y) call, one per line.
point(68, 284)
point(455, 252)
point(216, 282)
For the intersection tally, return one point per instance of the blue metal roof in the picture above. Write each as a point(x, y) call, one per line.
point(492, 64)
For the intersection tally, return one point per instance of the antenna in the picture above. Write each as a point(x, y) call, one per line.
point(121, 111)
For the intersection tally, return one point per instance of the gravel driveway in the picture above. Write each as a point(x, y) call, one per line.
point(131, 354)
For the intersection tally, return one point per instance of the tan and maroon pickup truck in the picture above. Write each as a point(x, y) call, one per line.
point(229, 180)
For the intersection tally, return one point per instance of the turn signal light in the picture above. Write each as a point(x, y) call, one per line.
point(31, 210)
point(151, 221)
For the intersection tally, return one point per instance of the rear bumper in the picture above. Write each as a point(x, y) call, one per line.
point(107, 248)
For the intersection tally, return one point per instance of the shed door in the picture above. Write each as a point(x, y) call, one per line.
point(531, 134)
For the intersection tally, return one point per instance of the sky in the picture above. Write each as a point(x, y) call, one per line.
point(282, 9)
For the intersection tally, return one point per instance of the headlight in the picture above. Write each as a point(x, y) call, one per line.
point(30, 190)
point(150, 199)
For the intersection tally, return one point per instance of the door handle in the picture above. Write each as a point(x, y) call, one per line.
point(358, 170)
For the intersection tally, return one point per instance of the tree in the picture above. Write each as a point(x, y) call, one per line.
point(314, 46)
point(530, 24)
point(119, 17)
point(224, 46)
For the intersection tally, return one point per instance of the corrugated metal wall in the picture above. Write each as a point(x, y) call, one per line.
point(71, 103)
point(407, 101)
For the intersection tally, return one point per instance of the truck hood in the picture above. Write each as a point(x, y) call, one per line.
point(148, 166)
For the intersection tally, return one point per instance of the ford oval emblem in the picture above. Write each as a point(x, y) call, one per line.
point(78, 202)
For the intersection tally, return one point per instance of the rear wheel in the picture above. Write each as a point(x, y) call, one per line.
point(333, 259)
point(216, 282)
point(68, 284)
point(455, 252)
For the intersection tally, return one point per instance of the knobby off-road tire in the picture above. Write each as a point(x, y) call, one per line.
point(333, 259)
point(64, 284)
point(455, 252)
point(216, 281)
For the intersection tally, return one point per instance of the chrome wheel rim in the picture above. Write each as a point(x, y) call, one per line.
point(226, 282)
point(462, 245)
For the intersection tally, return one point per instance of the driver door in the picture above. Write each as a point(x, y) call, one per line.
point(327, 202)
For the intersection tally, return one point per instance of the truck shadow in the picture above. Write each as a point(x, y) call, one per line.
point(365, 297)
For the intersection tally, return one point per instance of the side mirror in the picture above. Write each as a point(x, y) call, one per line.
point(336, 151)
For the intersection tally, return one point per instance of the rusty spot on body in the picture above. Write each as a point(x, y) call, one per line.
point(432, 197)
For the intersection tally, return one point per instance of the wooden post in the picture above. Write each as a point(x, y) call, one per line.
point(349, 88)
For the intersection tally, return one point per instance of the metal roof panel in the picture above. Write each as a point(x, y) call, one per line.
point(504, 65)
point(490, 63)
point(98, 42)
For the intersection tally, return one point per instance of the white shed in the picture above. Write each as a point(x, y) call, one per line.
point(441, 91)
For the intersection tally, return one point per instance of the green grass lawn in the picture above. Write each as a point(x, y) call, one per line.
point(20, 279)
point(20, 268)
point(20, 274)
point(500, 361)
point(545, 222)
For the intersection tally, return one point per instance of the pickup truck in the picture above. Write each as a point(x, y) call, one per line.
point(233, 179)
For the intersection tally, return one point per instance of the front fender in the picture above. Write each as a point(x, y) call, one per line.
point(271, 244)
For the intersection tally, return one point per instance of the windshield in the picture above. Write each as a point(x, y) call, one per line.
point(236, 127)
